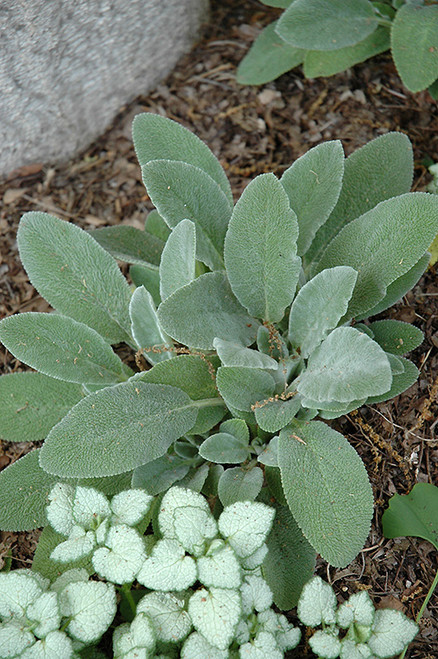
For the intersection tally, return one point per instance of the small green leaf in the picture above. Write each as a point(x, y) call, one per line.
point(385, 166)
point(415, 46)
point(24, 491)
point(157, 137)
point(319, 306)
point(347, 366)
point(268, 58)
point(396, 336)
point(32, 404)
point(243, 387)
point(414, 514)
point(71, 279)
point(183, 192)
point(146, 328)
point(313, 184)
point(327, 489)
point(260, 249)
point(205, 309)
point(224, 449)
point(129, 244)
point(322, 25)
point(148, 277)
point(383, 244)
point(323, 63)
point(62, 348)
point(275, 415)
point(237, 484)
point(290, 561)
point(235, 354)
point(120, 428)
point(177, 266)
point(160, 474)
point(236, 427)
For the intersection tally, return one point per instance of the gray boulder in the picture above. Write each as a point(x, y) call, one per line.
point(68, 66)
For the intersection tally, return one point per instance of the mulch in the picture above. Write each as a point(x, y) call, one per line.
point(254, 130)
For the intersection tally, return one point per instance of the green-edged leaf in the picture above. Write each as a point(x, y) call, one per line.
point(384, 167)
point(268, 58)
point(318, 63)
point(400, 382)
point(146, 329)
point(235, 354)
point(160, 474)
point(43, 564)
point(322, 25)
point(319, 306)
point(194, 376)
point(215, 614)
point(392, 632)
point(62, 348)
point(223, 448)
point(274, 415)
point(155, 225)
point(75, 274)
point(243, 387)
point(383, 244)
point(205, 309)
point(327, 490)
point(117, 429)
point(149, 278)
point(237, 484)
point(157, 138)
point(347, 366)
point(260, 249)
point(177, 266)
point(414, 514)
point(32, 403)
point(183, 192)
point(129, 244)
point(415, 45)
point(313, 184)
point(396, 336)
point(290, 561)
point(24, 488)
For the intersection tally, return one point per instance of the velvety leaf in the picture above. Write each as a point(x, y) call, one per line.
point(177, 266)
point(24, 490)
point(157, 138)
point(146, 329)
point(223, 448)
point(414, 45)
point(347, 366)
point(327, 489)
point(62, 348)
point(383, 244)
point(75, 274)
point(313, 184)
point(392, 632)
point(117, 429)
point(260, 249)
point(155, 225)
point(319, 306)
point(235, 354)
point(43, 564)
point(32, 404)
point(400, 383)
point(195, 376)
point(243, 387)
point(129, 244)
point(323, 63)
point(396, 336)
point(148, 277)
point(268, 58)
point(238, 484)
point(160, 474)
point(205, 309)
point(414, 514)
point(276, 414)
point(278, 3)
point(322, 25)
point(384, 167)
point(184, 192)
point(290, 561)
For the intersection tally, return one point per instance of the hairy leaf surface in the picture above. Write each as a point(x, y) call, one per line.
point(177, 266)
point(396, 336)
point(129, 244)
point(146, 329)
point(243, 387)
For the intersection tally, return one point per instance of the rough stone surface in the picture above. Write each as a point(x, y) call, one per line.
point(68, 66)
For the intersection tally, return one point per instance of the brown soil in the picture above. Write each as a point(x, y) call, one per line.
point(254, 130)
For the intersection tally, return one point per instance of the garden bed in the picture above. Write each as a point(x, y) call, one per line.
point(256, 130)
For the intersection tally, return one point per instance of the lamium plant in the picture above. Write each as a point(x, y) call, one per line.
point(247, 322)
point(329, 36)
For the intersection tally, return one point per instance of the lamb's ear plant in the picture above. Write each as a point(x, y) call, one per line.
point(329, 36)
point(261, 325)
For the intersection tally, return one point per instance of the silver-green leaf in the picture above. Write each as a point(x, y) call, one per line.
point(177, 266)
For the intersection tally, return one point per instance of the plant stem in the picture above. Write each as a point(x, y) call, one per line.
point(386, 22)
point(126, 589)
point(423, 606)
